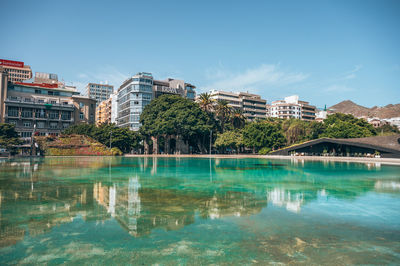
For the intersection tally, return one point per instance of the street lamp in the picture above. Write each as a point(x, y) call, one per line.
point(110, 138)
point(210, 140)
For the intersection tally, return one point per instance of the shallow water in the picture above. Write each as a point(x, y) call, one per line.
point(168, 211)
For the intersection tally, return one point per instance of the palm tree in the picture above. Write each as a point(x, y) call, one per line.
point(223, 111)
point(206, 102)
point(237, 118)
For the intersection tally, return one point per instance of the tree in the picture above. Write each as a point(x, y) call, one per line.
point(206, 102)
point(174, 116)
point(223, 111)
point(388, 129)
point(258, 135)
point(229, 139)
point(9, 137)
point(237, 118)
point(121, 138)
point(340, 125)
point(296, 130)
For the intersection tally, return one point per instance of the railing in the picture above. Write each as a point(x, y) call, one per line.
point(35, 101)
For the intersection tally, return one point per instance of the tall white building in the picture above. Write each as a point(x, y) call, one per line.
point(114, 107)
point(133, 95)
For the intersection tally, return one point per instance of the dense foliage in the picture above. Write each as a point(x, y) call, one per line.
point(172, 115)
point(8, 137)
point(121, 138)
point(262, 134)
point(347, 126)
point(232, 140)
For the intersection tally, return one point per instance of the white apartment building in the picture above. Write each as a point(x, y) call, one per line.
point(292, 107)
point(251, 104)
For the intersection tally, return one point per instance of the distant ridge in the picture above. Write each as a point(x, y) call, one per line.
point(349, 107)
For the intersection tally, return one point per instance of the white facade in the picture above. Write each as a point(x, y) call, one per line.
point(292, 107)
point(114, 107)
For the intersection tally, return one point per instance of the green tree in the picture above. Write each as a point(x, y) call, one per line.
point(223, 112)
point(172, 115)
point(262, 134)
point(121, 138)
point(387, 129)
point(9, 137)
point(229, 139)
point(206, 102)
point(347, 126)
point(237, 118)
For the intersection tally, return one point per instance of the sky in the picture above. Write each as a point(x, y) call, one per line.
point(323, 51)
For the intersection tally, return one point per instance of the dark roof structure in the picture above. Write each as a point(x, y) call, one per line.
point(387, 146)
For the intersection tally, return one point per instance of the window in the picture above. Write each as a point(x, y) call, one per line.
point(26, 134)
point(53, 115)
point(81, 105)
point(27, 124)
point(53, 125)
point(37, 91)
point(26, 113)
point(40, 124)
point(13, 111)
point(81, 117)
point(13, 122)
point(40, 101)
point(53, 102)
point(50, 93)
point(65, 125)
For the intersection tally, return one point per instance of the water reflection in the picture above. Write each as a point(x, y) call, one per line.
point(143, 194)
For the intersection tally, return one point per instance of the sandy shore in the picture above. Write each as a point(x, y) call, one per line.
point(392, 161)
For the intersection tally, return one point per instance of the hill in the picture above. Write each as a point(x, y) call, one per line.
point(349, 107)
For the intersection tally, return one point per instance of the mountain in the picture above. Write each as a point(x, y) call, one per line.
point(349, 107)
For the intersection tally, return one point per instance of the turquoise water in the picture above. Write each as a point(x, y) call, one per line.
point(196, 211)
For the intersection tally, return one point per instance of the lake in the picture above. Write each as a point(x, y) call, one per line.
point(194, 211)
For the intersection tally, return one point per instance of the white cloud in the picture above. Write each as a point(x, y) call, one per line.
point(338, 88)
point(258, 78)
point(352, 74)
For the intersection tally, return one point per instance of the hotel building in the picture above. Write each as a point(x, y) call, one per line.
point(251, 105)
point(42, 109)
point(99, 92)
point(17, 71)
point(292, 107)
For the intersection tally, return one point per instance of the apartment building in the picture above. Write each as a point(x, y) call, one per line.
point(173, 86)
point(292, 107)
point(42, 109)
point(137, 92)
point(99, 92)
point(114, 107)
point(251, 105)
point(133, 95)
point(103, 112)
point(17, 71)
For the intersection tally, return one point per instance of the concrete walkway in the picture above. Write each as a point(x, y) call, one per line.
point(392, 161)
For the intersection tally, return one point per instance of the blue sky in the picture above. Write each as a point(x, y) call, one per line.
point(324, 51)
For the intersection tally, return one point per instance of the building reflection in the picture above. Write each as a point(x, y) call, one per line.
point(34, 201)
point(285, 198)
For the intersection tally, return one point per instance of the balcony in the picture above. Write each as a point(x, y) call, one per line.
point(18, 101)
